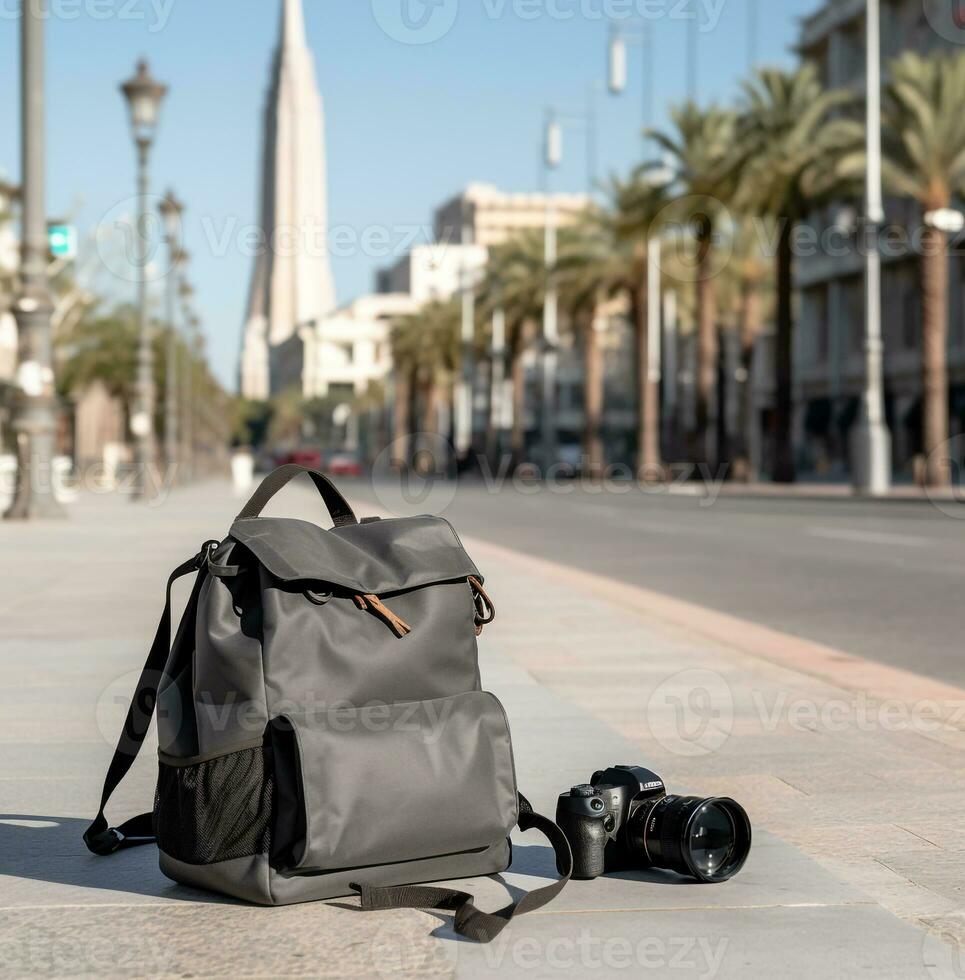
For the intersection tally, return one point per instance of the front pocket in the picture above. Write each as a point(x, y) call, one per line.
point(390, 783)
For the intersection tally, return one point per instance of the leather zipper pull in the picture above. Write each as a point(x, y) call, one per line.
point(373, 604)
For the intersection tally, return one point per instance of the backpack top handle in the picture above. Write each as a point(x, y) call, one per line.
point(338, 507)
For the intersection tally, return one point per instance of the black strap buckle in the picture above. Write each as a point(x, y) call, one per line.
point(207, 549)
point(106, 842)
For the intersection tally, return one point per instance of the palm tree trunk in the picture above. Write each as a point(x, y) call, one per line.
point(430, 408)
point(517, 373)
point(934, 340)
point(749, 326)
point(707, 345)
point(592, 399)
point(402, 419)
point(784, 378)
point(648, 391)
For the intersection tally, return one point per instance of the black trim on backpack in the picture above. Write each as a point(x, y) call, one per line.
point(100, 838)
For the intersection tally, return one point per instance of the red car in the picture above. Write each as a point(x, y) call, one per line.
point(343, 464)
point(311, 458)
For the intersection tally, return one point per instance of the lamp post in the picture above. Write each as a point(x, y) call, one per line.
point(692, 50)
point(649, 360)
point(464, 388)
point(870, 439)
point(753, 33)
point(552, 159)
point(35, 416)
point(171, 210)
point(144, 96)
point(191, 324)
point(643, 38)
point(497, 383)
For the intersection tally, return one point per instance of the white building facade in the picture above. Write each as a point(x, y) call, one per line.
point(345, 352)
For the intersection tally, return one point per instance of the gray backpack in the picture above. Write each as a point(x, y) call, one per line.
point(321, 724)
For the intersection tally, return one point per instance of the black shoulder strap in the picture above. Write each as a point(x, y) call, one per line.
point(99, 837)
point(482, 927)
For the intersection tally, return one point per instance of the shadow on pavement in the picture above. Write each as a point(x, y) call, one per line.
point(51, 849)
point(540, 861)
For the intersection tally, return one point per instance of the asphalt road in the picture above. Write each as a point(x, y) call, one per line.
point(882, 580)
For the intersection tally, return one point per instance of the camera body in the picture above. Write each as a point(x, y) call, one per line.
point(625, 819)
point(595, 817)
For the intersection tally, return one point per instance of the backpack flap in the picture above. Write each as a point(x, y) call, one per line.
point(379, 558)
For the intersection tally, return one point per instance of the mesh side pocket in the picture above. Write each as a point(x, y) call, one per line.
point(215, 810)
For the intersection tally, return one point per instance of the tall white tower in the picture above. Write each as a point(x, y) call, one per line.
point(292, 280)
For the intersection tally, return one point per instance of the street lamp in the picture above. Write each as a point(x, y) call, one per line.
point(649, 360)
point(464, 392)
point(144, 96)
point(35, 416)
point(190, 321)
point(552, 159)
point(171, 210)
point(617, 58)
point(870, 439)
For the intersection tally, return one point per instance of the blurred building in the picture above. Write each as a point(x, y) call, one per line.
point(829, 360)
point(292, 279)
point(484, 215)
point(434, 272)
point(342, 354)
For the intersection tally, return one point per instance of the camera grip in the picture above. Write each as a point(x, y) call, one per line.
point(588, 838)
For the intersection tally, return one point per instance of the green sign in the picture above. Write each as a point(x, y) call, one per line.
point(63, 241)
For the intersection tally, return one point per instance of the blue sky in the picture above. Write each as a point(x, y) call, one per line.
point(407, 124)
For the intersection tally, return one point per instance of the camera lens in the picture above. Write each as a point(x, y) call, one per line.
point(707, 839)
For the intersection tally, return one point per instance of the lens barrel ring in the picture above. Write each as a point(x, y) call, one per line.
point(673, 821)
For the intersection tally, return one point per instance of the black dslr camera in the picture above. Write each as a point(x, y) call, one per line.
point(626, 820)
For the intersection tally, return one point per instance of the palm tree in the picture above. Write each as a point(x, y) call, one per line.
point(403, 341)
point(746, 284)
point(790, 149)
point(515, 282)
point(701, 148)
point(101, 347)
point(925, 160)
point(585, 270)
point(608, 257)
point(425, 348)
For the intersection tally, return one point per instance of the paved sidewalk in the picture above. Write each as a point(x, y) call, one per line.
point(859, 853)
